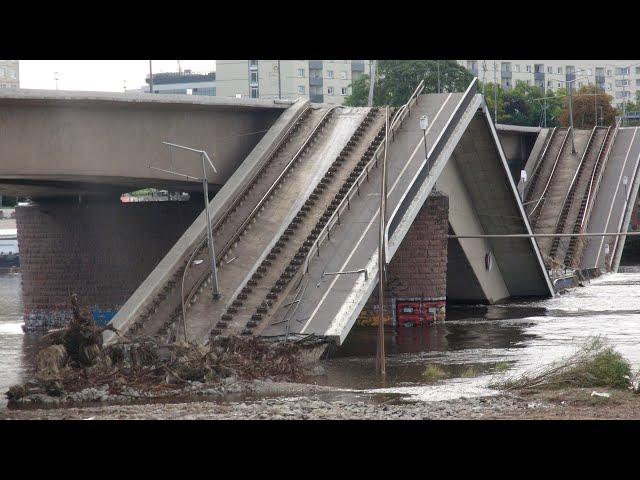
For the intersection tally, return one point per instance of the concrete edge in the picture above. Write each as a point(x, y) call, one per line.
point(64, 96)
point(179, 253)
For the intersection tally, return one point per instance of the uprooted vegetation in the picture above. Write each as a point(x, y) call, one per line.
point(594, 365)
point(73, 359)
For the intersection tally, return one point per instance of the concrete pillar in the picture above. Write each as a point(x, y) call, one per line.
point(417, 274)
point(100, 250)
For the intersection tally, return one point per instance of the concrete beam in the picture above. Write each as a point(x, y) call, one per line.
point(107, 141)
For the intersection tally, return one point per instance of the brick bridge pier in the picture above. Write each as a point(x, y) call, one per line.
point(101, 249)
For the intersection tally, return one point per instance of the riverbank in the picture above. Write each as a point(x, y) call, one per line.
point(309, 402)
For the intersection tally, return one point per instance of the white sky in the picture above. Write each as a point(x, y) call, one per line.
point(99, 75)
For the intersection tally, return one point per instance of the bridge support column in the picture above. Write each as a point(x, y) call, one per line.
point(101, 250)
point(417, 274)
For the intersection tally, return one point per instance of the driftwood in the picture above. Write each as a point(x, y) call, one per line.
point(73, 359)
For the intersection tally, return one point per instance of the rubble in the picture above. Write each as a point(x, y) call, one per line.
point(74, 367)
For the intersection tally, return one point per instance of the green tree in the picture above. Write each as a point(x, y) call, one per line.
point(397, 79)
point(584, 108)
point(359, 92)
point(524, 104)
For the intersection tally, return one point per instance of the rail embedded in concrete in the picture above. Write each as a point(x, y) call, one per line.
point(238, 199)
point(568, 199)
point(540, 201)
point(141, 299)
point(236, 235)
point(345, 203)
point(574, 249)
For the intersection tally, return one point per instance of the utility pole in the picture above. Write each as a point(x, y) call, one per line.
point(573, 143)
point(150, 77)
point(495, 92)
point(279, 83)
point(595, 97)
point(372, 80)
point(484, 76)
point(381, 251)
point(439, 89)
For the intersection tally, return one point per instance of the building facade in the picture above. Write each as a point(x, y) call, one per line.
point(9, 74)
point(183, 83)
point(321, 81)
point(618, 78)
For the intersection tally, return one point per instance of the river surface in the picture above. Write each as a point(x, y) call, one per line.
point(473, 347)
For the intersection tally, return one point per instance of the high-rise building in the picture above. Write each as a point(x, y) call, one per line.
point(618, 78)
point(321, 81)
point(9, 74)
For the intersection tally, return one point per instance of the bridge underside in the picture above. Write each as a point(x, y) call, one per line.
point(87, 143)
point(482, 194)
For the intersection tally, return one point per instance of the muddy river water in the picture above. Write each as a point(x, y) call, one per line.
point(474, 347)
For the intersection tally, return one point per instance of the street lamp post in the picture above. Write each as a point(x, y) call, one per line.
point(205, 191)
point(573, 140)
point(424, 123)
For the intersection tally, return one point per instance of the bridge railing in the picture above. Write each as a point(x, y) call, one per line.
point(427, 165)
point(345, 203)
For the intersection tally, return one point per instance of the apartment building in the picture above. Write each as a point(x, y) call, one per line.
point(321, 81)
point(9, 74)
point(618, 78)
point(184, 83)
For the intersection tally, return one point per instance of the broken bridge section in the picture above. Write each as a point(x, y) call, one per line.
point(328, 305)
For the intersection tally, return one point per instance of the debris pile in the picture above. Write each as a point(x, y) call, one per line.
point(73, 360)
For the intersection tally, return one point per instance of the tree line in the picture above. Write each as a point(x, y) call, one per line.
point(526, 105)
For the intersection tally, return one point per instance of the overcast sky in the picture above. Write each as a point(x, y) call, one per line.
point(99, 75)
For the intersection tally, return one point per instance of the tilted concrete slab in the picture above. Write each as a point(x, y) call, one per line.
point(177, 256)
point(68, 143)
point(330, 305)
point(614, 200)
point(484, 200)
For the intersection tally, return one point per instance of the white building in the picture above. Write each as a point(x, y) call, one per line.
point(9, 74)
point(618, 78)
point(321, 81)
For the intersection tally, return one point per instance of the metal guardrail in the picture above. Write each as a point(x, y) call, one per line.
point(437, 148)
point(345, 204)
point(538, 166)
point(553, 170)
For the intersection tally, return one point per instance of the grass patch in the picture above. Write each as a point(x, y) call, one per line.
point(501, 367)
point(469, 372)
point(433, 373)
point(595, 364)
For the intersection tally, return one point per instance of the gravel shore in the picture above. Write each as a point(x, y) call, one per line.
point(265, 400)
